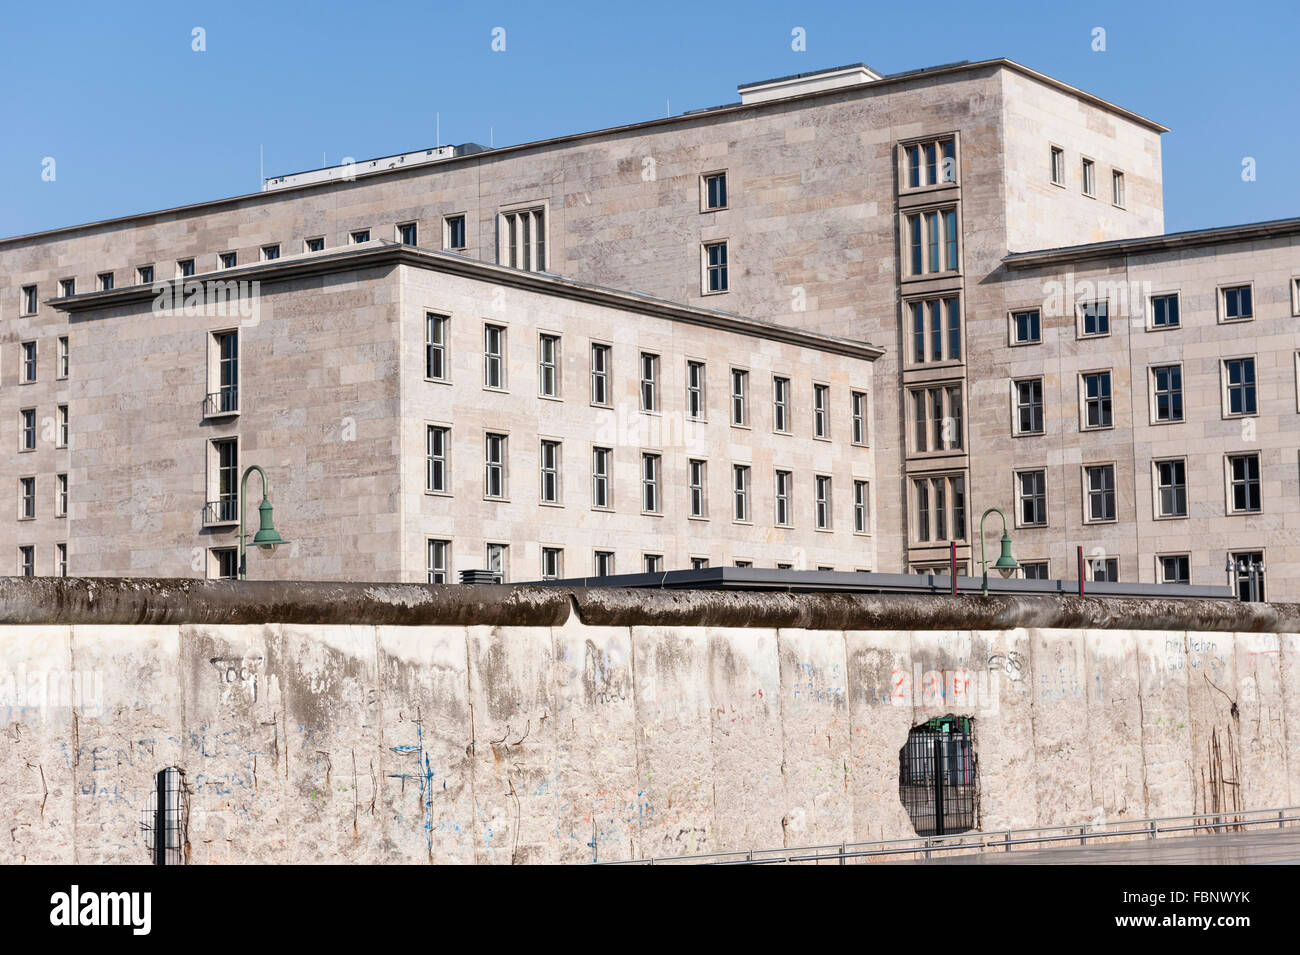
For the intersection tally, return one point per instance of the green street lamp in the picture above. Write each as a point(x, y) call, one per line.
point(267, 537)
point(1006, 564)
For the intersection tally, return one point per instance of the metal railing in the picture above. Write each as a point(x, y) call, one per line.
point(221, 511)
point(225, 401)
point(1002, 840)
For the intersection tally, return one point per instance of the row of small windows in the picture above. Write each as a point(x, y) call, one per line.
point(27, 560)
point(1087, 177)
point(650, 391)
point(438, 480)
point(1239, 397)
point(1169, 569)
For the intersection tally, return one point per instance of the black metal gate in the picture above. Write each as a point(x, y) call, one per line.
point(936, 777)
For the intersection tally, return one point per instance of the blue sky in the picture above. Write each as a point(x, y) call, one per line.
point(136, 120)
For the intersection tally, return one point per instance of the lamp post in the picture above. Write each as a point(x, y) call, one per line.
point(1006, 564)
point(267, 538)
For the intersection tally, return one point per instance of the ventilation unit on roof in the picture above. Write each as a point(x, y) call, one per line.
point(815, 82)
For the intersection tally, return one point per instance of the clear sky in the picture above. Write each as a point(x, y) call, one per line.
point(135, 119)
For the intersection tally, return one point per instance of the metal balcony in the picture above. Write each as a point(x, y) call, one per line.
point(224, 510)
point(223, 402)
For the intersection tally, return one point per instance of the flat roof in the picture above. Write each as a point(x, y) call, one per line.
point(1170, 241)
point(386, 252)
point(885, 84)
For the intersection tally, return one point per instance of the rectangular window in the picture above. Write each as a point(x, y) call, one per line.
point(224, 497)
point(494, 466)
point(715, 191)
point(552, 563)
point(144, 275)
point(1235, 303)
point(861, 507)
point(649, 382)
point(27, 429)
point(743, 563)
point(26, 498)
point(602, 564)
point(601, 467)
point(822, 502)
point(937, 418)
point(697, 472)
point(61, 495)
point(1095, 319)
point(1029, 406)
point(784, 487)
point(61, 438)
point(600, 375)
point(550, 468)
point(29, 300)
point(454, 232)
point(223, 377)
point(1058, 166)
point(650, 483)
point(67, 288)
point(408, 233)
point(1239, 383)
point(936, 330)
point(270, 253)
point(27, 373)
point(652, 563)
point(62, 370)
point(439, 561)
point(739, 398)
point(930, 163)
point(1164, 311)
point(60, 560)
point(437, 446)
point(1099, 488)
point(1248, 574)
point(740, 493)
point(548, 365)
point(780, 404)
point(940, 508)
point(1243, 483)
point(695, 389)
point(525, 239)
point(1096, 400)
point(497, 562)
point(1026, 327)
point(1089, 178)
point(932, 241)
point(1175, 568)
point(1033, 569)
point(105, 281)
point(1104, 570)
point(699, 563)
point(1167, 392)
point(715, 267)
point(1171, 488)
point(1031, 489)
point(859, 407)
point(360, 236)
point(1117, 188)
point(821, 411)
point(314, 244)
point(228, 260)
point(27, 561)
point(185, 267)
point(494, 348)
point(435, 346)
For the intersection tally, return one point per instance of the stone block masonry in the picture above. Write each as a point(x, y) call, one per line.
point(399, 723)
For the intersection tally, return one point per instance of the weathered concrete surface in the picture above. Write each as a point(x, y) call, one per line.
point(568, 741)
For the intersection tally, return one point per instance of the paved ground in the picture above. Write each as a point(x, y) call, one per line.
point(1256, 847)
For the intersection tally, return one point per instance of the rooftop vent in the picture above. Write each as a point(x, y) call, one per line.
point(783, 86)
point(348, 171)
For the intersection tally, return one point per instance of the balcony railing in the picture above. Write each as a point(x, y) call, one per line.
point(224, 510)
point(223, 402)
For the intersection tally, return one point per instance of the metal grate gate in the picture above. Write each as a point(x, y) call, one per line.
point(163, 820)
point(936, 777)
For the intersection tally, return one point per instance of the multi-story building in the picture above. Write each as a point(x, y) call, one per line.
point(903, 210)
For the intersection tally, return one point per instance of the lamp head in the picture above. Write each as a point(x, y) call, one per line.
point(1006, 564)
point(267, 537)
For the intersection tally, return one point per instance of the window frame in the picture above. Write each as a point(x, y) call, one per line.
point(709, 269)
point(697, 393)
point(555, 471)
point(1087, 491)
point(1226, 387)
point(1088, 177)
point(1158, 488)
point(431, 569)
point(705, 177)
point(605, 454)
point(1017, 407)
point(1151, 324)
point(932, 248)
point(652, 483)
point(742, 484)
point(448, 231)
point(739, 399)
point(431, 460)
point(1118, 189)
point(500, 439)
point(921, 144)
point(1081, 318)
point(823, 505)
point(498, 358)
point(1056, 170)
point(648, 378)
point(1154, 392)
point(1258, 482)
point(698, 489)
point(821, 415)
point(441, 347)
point(862, 507)
point(1221, 296)
point(515, 250)
point(604, 374)
point(555, 365)
point(1109, 398)
point(1018, 491)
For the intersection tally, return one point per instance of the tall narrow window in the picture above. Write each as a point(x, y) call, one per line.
point(27, 561)
point(603, 563)
point(439, 561)
point(695, 389)
point(548, 365)
point(525, 239)
point(1239, 380)
point(601, 466)
point(932, 242)
point(600, 374)
point(1171, 488)
point(26, 498)
point(61, 495)
point(225, 350)
point(437, 445)
point(1099, 487)
point(1029, 406)
point(552, 563)
point(740, 492)
point(435, 346)
point(494, 462)
point(821, 411)
point(61, 438)
point(27, 429)
point(940, 508)
point(1089, 173)
point(784, 486)
point(652, 563)
point(781, 404)
point(28, 370)
point(1032, 488)
point(861, 507)
point(1243, 483)
point(497, 562)
point(650, 483)
point(60, 560)
point(822, 502)
point(715, 267)
point(67, 288)
point(715, 191)
point(454, 232)
point(649, 382)
point(937, 418)
point(1058, 166)
point(494, 345)
point(223, 504)
point(550, 467)
point(739, 397)
point(1117, 188)
point(1096, 400)
point(859, 401)
point(29, 300)
point(63, 357)
point(697, 472)
point(1167, 387)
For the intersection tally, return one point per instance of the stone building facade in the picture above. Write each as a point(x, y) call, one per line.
point(855, 205)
